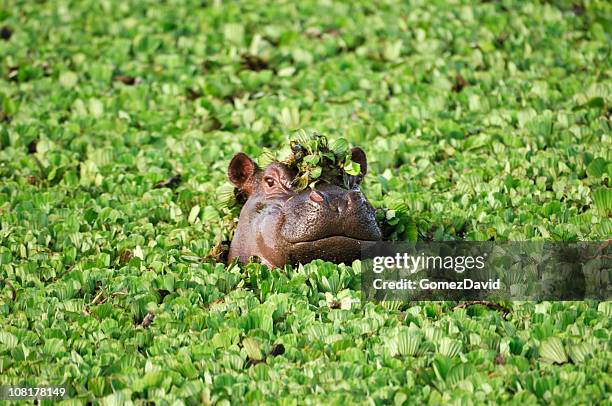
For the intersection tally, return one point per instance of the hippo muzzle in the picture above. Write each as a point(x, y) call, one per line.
point(282, 226)
point(329, 223)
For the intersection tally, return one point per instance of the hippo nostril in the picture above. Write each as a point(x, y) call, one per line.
point(316, 196)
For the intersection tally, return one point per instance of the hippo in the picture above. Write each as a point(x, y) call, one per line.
point(281, 225)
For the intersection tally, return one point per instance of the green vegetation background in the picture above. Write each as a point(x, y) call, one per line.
point(481, 120)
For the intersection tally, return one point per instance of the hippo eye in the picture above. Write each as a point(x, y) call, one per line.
point(269, 181)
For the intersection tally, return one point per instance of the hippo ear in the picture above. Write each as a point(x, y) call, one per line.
point(357, 155)
point(240, 172)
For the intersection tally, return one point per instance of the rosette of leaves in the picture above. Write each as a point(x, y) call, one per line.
point(396, 222)
point(316, 159)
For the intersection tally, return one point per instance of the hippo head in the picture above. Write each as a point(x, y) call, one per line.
point(283, 226)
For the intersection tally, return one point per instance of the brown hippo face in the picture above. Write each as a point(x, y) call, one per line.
point(282, 226)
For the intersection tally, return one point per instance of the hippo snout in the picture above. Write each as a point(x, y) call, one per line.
point(327, 212)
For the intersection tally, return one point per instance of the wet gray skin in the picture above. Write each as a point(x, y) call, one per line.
point(282, 226)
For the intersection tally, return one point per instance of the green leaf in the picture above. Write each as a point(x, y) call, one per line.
point(411, 231)
point(149, 380)
point(602, 198)
point(312, 159)
point(552, 350)
point(449, 347)
point(339, 146)
point(460, 372)
point(597, 168)
point(96, 385)
point(252, 349)
point(579, 352)
point(476, 141)
point(8, 339)
point(68, 79)
point(605, 308)
point(226, 195)
point(53, 347)
point(408, 343)
point(8, 105)
point(5, 139)
point(442, 367)
point(96, 108)
point(353, 168)
point(266, 158)
point(234, 33)
point(193, 214)
point(596, 102)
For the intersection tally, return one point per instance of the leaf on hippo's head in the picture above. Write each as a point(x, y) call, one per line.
point(339, 146)
point(316, 159)
point(266, 158)
point(352, 168)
